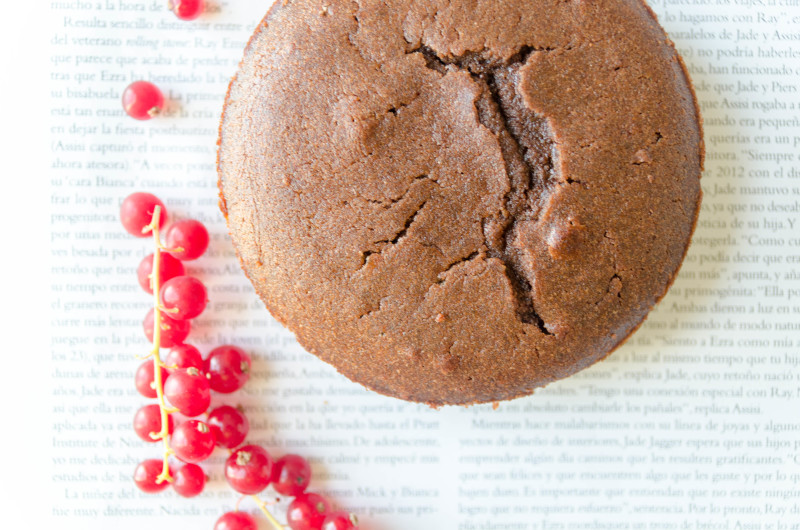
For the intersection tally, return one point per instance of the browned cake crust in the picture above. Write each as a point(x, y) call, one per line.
point(458, 202)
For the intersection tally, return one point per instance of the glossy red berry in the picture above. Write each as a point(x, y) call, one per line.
point(340, 521)
point(189, 480)
point(147, 473)
point(142, 100)
point(184, 356)
point(229, 426)
point(136, 212)
point(144, 379)
point(187, 390)
point(291, 475)
point(186, 9)
point(248, 469)
point(147, 420)
point(189, 235)
point(173, 332)
point(307, 512)
point(184, 297)
point(236, 521)
point(228, 368)
point(169, 268)
point(192, 441)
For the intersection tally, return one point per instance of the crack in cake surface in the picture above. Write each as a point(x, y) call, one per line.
point(385, 243)
point(526, 146)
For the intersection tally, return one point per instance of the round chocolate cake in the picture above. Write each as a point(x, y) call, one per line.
point(458, 202)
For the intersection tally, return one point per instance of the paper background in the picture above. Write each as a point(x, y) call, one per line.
point(692, 424)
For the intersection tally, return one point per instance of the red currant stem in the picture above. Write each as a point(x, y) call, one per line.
point(166, 310)
point(165, 249)
point(274, 522)
point(162, 247)
point(157, 364)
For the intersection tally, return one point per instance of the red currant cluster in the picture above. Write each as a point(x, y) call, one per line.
point(250, 469)
point(185, 380)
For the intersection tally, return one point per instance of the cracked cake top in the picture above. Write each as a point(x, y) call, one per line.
point(458, 202)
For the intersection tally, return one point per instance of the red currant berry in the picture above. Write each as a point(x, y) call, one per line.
point(248, 469)
point(169, 268)
point(148, 420)
point(192, 441)
point(136, 212)
point(228, 368)
point(291, 475)
point(229, 426)
point(236, 521)
point(172, 331)
point(189, 480)
point(184, 297)
point(144, 379)
point(189, 235)
point(142, 100)
point(187, 390)
point(186, 9)
point(147, 473)
point(307, 512)
point(184, 356)
point(340, 521)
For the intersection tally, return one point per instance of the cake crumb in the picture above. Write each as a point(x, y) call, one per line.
point(642, 157)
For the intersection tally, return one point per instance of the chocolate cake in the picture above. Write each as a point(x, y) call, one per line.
point(459, 202)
